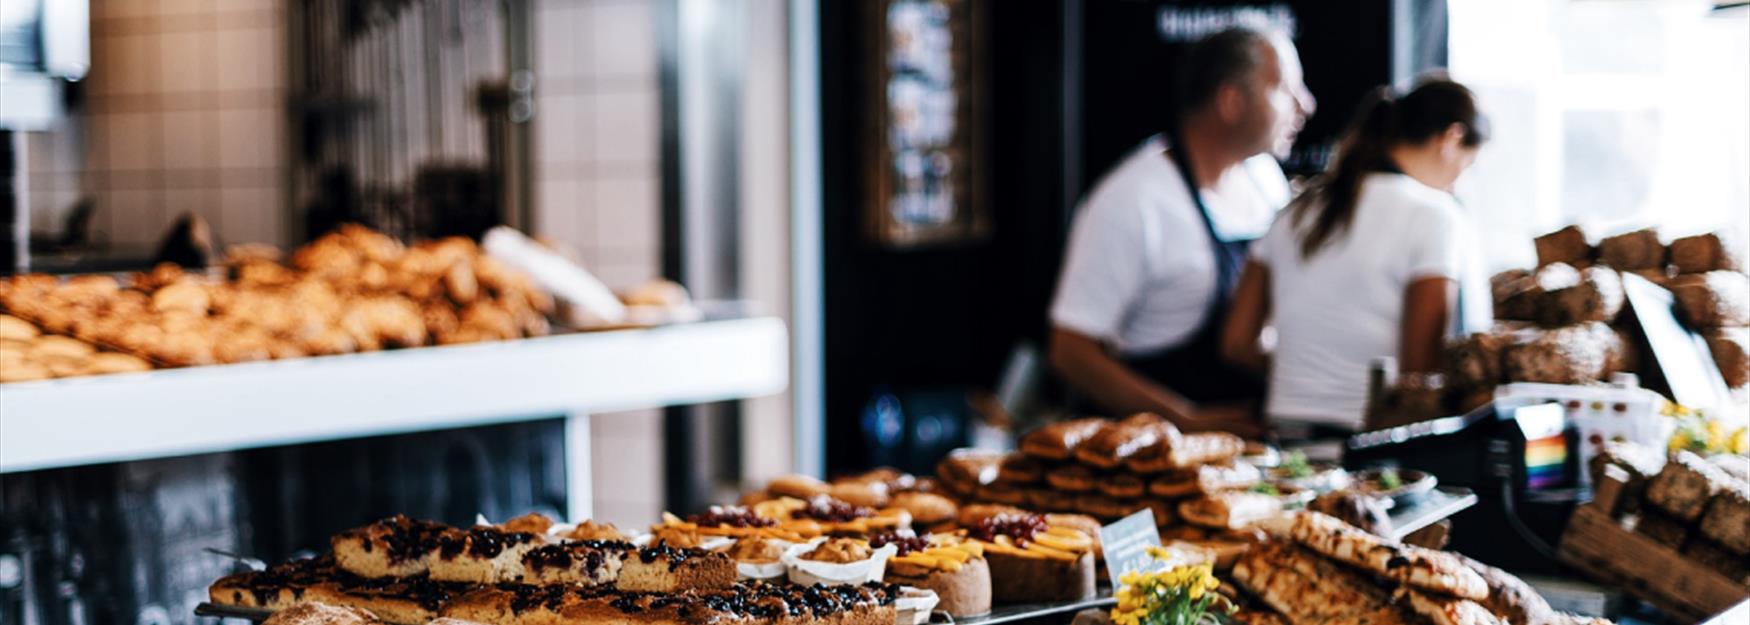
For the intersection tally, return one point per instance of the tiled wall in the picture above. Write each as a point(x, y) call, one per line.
point(184, 112)
point(596, 176)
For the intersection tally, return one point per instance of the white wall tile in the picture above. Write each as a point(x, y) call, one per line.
point(136, 217)
point(628, 213)
point(123, 8)
point(249, 215)
point(133, 64)
point(560, 47)
point(641, 424)
point(624, 45)
point(249, 137)
point(189, 7)
point(188, 60)
point(250, 58)
point(132, 139)
point(189, 140)
point(564, 129)
point(556, 210)
point(626, 127)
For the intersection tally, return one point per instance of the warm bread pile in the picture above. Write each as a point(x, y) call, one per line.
point(1327, 571)
point(28, 354)
point(1110, 469)
point(351, 290)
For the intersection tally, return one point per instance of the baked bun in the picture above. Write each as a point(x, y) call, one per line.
point(926, 508)
point(798, 486)
point(1057, 442)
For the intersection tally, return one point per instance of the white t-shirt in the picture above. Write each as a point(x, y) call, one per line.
point(1336, 312)
point(1140, 270)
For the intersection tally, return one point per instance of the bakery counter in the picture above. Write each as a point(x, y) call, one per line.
point(171, 412)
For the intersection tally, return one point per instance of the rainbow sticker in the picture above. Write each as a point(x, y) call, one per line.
point(1545, 460)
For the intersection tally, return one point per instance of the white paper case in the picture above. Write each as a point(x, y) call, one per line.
point(916, 603)
point(810, 572)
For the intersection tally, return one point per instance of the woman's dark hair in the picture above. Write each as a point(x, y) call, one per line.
point(1382, 122)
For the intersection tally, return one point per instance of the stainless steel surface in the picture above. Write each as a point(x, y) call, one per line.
point(1439, 504)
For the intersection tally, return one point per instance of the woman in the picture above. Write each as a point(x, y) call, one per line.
point(1365, 262)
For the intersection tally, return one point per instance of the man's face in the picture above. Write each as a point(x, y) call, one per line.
point(1277, 101)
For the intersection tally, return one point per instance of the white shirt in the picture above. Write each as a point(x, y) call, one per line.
point(1343, 307)
point(1140, 271)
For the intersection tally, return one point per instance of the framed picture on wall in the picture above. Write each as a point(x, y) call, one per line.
point(926, 160)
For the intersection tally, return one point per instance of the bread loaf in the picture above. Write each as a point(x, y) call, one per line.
point(1706, 252)
point(1713, 300)
point(1572, 355)
point(1731, 351)
point(1726, 520)
point(1629, 251)
point(1595, 296)
point(1684, 487)
point(1568, 245)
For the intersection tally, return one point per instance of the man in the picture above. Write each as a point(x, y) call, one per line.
point(1157, 246)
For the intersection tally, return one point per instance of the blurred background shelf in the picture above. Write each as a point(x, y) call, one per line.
point(173, 412)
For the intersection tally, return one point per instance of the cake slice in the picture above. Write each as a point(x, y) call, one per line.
point(1033, 561)
point(662, 568)
point(394, 547)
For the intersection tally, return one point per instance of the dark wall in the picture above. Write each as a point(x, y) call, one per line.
point(942, 318)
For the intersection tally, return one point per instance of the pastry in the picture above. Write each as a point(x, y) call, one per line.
point(1308, 589)
point(1020, 470)
point(950, 565)
point(1684, 487)
point(749, 602)
point(313, 613)
point(112, 362)
point(1049, 500)
point(964, 471)
point(798, 486)
point(393, 547)
point(1103, 507)
point(1032, 561)
point(1071, 478)
point(926, 508)
point(533, 523)
point(1413, 566)
point(1205, 479)
point(1726, 519)
point(840, 551)
point(973, 514)
point(1109, 447)
point(1569, 245)
point(591, 530)
point(1511, 597)
point(1003, 494)
point(1057, 442)
point(1166, 512)
point(866, 494)
point(662, 568)
point(588, 562)
point(1449, 611)
point(1122, 486)
point(1229, 510)
point(756, 550)
point(1185, 452)
point(15, 329)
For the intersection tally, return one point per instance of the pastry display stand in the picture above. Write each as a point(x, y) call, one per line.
point(174, 412)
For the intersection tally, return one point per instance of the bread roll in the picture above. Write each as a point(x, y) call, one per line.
point(1568, 245)
point(1706, 252)
point(1629, 251)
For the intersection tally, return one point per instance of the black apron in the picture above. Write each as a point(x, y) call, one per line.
point(1195, 368)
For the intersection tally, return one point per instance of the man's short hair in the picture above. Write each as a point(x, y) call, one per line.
point(1227, 56)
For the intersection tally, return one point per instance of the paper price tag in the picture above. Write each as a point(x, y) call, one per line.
point(1126, 544)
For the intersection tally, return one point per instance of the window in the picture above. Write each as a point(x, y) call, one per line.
point(1613, 114)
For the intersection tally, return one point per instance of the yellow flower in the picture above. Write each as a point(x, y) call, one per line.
point(1740, 441)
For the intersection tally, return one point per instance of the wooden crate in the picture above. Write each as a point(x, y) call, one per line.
point(1597, 545)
